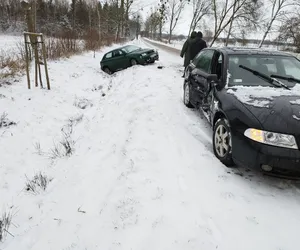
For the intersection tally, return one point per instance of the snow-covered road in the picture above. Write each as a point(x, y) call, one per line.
point(142, 175)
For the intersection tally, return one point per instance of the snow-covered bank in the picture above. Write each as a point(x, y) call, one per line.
point(141, 174)
point(177, 44)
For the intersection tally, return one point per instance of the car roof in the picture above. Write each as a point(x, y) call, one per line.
point(118, 48)
point(252, 51)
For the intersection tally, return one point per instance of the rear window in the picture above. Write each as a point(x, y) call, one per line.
point(267, 64)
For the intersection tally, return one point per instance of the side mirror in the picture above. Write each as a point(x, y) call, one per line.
point(213, 78)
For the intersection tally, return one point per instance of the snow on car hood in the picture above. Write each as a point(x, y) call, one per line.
point(277, 109)
point(260, 96)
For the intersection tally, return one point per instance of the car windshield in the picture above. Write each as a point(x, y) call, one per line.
point(283, 68)
point(131, 48)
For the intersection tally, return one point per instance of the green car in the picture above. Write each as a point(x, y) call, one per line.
point(124, 57)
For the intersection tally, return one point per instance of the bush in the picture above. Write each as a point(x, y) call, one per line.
point(10, 64)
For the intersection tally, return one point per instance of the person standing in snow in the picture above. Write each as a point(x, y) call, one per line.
point(197, 45)
point(185, 51)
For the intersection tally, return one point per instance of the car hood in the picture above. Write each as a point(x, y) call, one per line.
point(278, 112)
point(141, 51)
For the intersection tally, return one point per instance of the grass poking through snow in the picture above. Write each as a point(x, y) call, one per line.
point(4, 121)
point(37, 183)
point(5, 222)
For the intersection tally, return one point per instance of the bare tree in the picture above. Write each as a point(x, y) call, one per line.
point(173, 13)
point(128, 4)
point(153, 23)
point(201, 8)
point(224, 13)
point(290, 31)
point(278, 11)
point(247, 17)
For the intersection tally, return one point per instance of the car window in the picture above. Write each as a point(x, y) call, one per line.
point(203, 60)
point(108, 55)
point(291, 68)
point(117, 53)
point(131, 48)
point(281, 65)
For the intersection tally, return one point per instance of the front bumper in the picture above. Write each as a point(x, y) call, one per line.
point(253, 154)
point(150, 58)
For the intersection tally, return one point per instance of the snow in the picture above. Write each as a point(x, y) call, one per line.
point(179, 43)
point(260, 96)
point(9, 44)
point(296, 117)
point(297, 102)
point(142, 174)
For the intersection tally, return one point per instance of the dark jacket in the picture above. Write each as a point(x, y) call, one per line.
point(196, 46)
point(185, 51)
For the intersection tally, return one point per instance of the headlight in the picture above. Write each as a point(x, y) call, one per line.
point(271, 138)
point(144, 54)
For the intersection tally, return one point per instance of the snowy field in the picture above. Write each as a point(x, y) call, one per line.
point(140, 175)
point(9, 45)
point(177, 44)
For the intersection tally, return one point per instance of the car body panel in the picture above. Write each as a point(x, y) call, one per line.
point(121, 59)
point(280, 116)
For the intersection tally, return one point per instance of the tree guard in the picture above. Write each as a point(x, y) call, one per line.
point(33, 40)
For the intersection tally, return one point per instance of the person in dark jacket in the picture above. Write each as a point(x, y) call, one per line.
point(185, 51)
point(197, 45)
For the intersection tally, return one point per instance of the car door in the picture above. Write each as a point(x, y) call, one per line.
point(120, 60)
point(200, 75)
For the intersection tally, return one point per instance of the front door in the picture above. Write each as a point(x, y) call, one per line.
point(201, 69)
point(120, 60)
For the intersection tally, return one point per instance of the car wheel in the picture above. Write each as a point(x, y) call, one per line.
point(222, 142)
point(186, 95)
point(133, 62)
point(107, 70)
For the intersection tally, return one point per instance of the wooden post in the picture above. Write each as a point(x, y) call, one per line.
point(45, 61)
point(27, 61)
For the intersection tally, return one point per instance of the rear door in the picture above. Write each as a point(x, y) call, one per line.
point(201, 69)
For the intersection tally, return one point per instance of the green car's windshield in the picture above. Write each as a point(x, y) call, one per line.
point(286, 68)
point(130, 48)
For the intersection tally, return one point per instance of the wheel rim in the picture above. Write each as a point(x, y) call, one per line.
point(222, 141)
point(186, 94)
point(133, 62)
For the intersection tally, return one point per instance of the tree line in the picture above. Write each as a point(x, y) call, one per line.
point(234, 18)
point(79, 17)
point(115, 19)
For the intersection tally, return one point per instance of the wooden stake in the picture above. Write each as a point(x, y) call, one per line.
point(27, 61)
point(45, 61)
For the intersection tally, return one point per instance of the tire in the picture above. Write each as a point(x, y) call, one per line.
point(107, 70)
point(133, 62)
point(222, 142)
point(186, 95)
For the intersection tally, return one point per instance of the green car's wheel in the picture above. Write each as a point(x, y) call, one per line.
point(133, 62)
point(107, 70)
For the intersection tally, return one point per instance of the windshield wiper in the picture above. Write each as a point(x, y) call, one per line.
point(290, 79)
point(265, 77)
